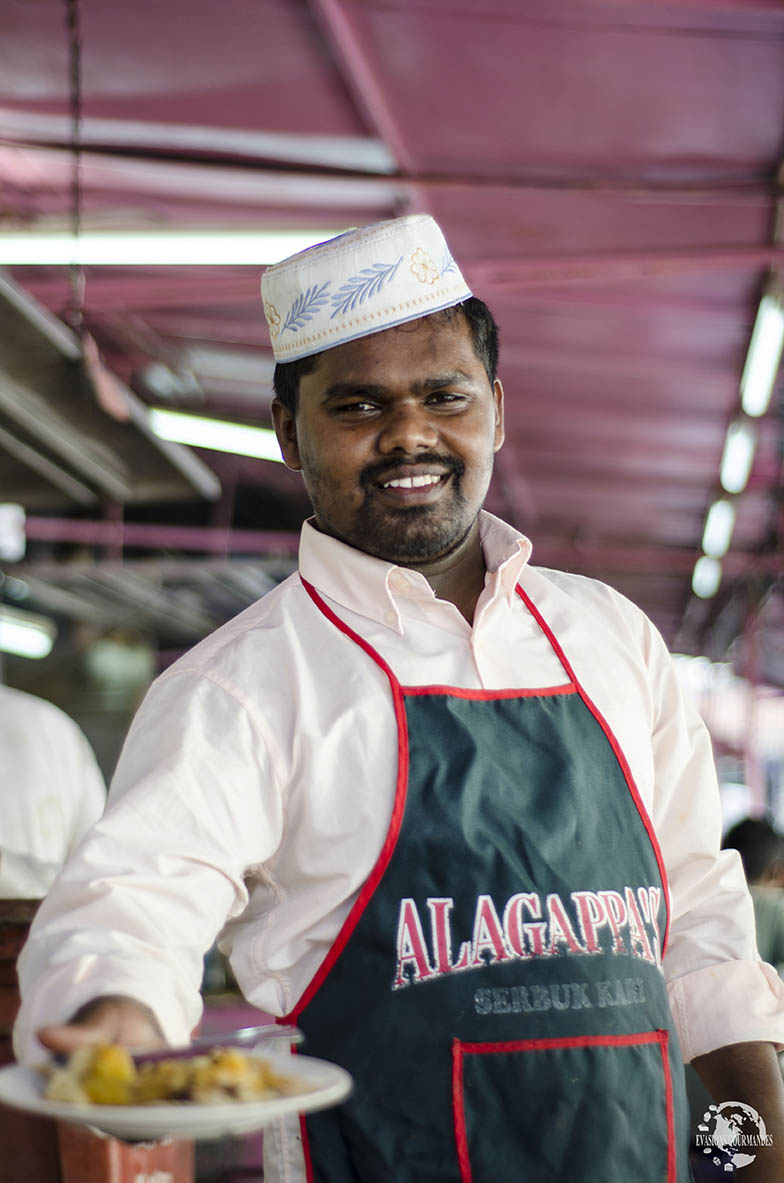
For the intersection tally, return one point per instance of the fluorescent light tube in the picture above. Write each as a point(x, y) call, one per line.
point(719, 523)
point(762, 360)
point(739, 445)
point(706, 578)
point(25, 634)
point(217, 434)
point(136, 248)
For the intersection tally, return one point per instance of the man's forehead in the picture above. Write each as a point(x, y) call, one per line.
point(424, 349)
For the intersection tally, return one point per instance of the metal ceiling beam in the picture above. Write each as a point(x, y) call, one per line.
point(37, 418)
point(33, 411)
point(195, 538)
point(256, 183)
point(46, 468)
point(184, 288)
point(612, 266)
point(609, 556)
point(357, 153)
point(251, 575)
point(359, 75)
point(166, 607)
point(52, 329)
point(51, 596)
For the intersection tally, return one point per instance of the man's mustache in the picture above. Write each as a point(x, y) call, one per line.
point(372, 473)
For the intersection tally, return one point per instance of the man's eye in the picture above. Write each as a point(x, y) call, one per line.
point(445, 397)
point(358, 407)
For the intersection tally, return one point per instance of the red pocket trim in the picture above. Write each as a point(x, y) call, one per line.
point(460, 1050)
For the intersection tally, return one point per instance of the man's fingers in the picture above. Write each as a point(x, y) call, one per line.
point(105, 1020)
point(68, 1038)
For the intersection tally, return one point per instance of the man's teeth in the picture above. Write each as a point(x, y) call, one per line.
point(412, 482)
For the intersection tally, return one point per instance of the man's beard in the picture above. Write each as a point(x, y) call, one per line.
point(409, 535)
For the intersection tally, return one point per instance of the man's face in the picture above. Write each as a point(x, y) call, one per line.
point(395, 435)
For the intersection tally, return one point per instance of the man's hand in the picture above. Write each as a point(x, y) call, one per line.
point(750, 1072)
point(112, 1018)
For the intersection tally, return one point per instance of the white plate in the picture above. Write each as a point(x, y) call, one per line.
point(323, 1084)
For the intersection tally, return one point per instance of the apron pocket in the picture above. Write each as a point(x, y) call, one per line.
point(597, 1108)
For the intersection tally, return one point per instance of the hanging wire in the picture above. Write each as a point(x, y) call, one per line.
point(77, 278)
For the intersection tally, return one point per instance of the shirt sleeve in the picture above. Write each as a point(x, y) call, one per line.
point(89, 793)
point(193, 804)
point(720, 992)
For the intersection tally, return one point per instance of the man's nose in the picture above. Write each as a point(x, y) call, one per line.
point(407, 427)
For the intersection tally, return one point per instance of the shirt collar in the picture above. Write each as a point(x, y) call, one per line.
point(374, 588)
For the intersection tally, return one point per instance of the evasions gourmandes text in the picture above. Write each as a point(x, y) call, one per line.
point(528, 926)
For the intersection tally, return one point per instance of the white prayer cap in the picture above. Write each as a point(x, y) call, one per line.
point(361, 282)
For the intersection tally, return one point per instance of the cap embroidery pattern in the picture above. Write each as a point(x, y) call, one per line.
point(273, 319)
point(306, 306)
point(423, 267)
point(359, 288)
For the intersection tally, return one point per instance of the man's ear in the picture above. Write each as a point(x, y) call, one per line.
point(286, 431)
point(498, 397)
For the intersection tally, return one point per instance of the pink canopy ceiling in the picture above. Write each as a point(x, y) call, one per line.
point(606, 173)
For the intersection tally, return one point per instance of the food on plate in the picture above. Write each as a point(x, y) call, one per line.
point(106, 1074)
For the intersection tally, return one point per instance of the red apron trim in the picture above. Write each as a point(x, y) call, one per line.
point(672, 1164)
point(616, 747)
point(458, 1113)
point(460, 692)
point(460, 1050)
point(398, 809)
point(309, 1175)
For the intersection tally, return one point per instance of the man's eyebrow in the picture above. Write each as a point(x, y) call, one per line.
point(454, 379)
point(351, 390)
point(374, 390)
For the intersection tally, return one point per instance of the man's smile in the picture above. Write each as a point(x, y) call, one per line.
point(412, 484)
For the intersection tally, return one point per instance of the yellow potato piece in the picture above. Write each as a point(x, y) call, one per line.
point(105, 1090)
point(112, 1062)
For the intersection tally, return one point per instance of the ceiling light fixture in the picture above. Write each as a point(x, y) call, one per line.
point(739, 445)
point(762, 360)
point(719, 524)
point(141, 248)
point(706, 578)
point(25, 634)
point(217, 434)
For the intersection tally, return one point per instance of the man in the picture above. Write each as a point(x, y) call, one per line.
point(431, 795)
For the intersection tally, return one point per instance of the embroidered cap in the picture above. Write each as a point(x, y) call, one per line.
point(361, 282)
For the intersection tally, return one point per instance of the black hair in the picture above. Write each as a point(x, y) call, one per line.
point(758, 844)
point(484, 338)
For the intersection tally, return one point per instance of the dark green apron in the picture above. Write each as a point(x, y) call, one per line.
point(496, 991)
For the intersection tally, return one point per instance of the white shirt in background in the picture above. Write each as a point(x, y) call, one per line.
point(51, 792)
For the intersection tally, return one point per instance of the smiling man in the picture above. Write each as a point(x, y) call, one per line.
point(395, 435)
point(448, 811)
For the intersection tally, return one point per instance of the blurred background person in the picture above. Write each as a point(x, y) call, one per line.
point(761, 849)
point(51, 792)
